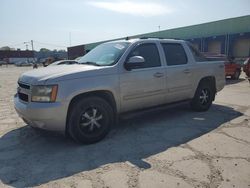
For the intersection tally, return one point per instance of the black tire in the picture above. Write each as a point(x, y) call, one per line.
point(236, 75)
point(90, 120)
point(203, 97)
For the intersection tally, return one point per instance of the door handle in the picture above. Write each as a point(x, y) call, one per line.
point(186, 71)
point(158, 75)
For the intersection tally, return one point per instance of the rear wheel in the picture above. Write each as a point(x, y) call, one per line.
point(203, 98)
point(90, 120)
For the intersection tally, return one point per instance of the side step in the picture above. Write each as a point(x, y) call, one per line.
point(155, 109)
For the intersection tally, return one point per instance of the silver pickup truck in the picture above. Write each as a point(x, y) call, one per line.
point(83, 100)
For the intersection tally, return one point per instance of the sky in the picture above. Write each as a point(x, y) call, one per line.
point(57, 24)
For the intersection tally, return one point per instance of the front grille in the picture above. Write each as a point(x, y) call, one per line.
point(23, 97)
point(23, 85)
point(23, 91)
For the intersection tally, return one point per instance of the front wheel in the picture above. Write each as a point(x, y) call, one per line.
point(90, 120)
point(203, 97)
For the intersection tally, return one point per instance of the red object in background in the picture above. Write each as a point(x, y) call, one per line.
point(232, 69)
point(246, 67)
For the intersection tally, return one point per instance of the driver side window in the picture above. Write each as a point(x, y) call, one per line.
point(150, 54)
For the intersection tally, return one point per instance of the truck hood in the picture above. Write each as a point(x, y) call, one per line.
point(59, 73)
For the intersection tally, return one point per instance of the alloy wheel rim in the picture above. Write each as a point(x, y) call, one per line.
point(91, 120)
point(204, 96)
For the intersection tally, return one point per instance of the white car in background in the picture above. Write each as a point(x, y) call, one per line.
point(64, 62)
point(23, 64)
point(3, 63)
point(78, 58)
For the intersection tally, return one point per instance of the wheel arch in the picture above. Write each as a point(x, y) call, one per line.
point(104, 94)
point(211, 80)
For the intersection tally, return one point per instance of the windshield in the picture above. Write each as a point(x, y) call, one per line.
point(198, 56)
point(105, 54)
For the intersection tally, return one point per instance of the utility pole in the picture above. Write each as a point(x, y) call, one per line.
point(69, 38)
point(32, 45)
point(159, 27)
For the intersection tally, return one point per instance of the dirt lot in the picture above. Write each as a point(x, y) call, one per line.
point(171, 147)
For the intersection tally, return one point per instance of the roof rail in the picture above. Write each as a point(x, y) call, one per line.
point(151, 38)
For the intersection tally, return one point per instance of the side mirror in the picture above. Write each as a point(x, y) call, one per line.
point(134, 62)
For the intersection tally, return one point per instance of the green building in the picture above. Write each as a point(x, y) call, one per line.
point(229, 36)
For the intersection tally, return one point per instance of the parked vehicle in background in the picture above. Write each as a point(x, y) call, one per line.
point(246, 68)
point(64, 62)
point(23, 64)
point(232, 69)
point(78, 58)
point(48, 61)
point(3, 63)
point(83, 100)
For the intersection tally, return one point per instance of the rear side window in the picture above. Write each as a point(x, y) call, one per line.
point(175, 54)
point(199, 57)
point(149, 52)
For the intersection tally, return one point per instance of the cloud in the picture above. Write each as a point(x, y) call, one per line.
point(133, 8)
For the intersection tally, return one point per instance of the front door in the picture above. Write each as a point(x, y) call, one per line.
point(143, 86)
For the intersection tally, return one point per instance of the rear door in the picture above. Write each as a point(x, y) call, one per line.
point(178, 72)
point(143, 86)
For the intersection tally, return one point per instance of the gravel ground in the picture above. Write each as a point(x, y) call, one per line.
point(167, 147)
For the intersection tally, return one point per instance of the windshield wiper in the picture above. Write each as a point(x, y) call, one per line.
point(90, 63)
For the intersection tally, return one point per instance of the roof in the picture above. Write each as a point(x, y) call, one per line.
point(216, 28)
point(221, 27)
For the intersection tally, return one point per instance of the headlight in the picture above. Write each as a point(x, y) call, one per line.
point(44, 93)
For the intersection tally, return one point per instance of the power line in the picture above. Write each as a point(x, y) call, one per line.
point(14, 45)
point(27, 45)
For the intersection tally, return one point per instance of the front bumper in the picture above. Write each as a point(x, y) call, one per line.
point(48, 116)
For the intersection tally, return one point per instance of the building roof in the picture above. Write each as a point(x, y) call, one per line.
point(216, 28)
